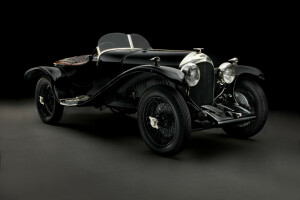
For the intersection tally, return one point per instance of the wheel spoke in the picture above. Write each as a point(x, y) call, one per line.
point(159, 109)
point(48, 100)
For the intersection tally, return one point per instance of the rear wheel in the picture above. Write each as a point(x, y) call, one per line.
point(164, 120)
point(50, 111)
point(252, 97)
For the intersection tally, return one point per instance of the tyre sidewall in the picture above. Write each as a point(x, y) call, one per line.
point(181, 134)
point(261, 111)
point(57, 110)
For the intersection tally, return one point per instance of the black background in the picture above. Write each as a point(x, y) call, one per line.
point(102, 156)
point(259, 35)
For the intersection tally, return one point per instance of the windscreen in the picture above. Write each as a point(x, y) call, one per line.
point(120, 40)
point(140, 42)
point(113, 40)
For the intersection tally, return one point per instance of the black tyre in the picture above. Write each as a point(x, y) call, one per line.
point(257, 104)
point(164, 120)
point(49, 109)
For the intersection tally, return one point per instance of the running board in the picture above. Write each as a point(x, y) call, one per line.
point(73, 101)
point(221, 118)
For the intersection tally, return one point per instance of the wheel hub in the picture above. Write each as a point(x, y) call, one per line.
point(41, 100)
point(153, 122)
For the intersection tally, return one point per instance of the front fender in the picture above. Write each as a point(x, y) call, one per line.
point(174, 75)
point(247, 70)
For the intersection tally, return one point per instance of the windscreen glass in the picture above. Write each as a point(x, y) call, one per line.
point(121, 40)
point(140, 42)
point(113, 40)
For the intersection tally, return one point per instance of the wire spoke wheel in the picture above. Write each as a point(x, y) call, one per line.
point(49, 109)
point(46, 100)
point(164, 120)
point(160, 110)
point(250, 96)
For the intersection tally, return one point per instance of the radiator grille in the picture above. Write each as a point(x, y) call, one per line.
point(203, 92)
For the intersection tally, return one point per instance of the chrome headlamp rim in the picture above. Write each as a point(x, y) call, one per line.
point(192, 74)
point(226, 73)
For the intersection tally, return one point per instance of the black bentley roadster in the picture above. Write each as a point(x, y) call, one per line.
point(173, 91)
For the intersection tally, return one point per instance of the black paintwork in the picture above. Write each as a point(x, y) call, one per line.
point(167, 58)
point(112, 69)
point(116, 71)
point(247, 70)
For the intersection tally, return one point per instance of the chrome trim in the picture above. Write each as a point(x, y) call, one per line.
point(198, 50)
point(98, 51)
point(234, 60)
point(224, 65)
point(130, 41)
point(69, 103)
point(124, 48)
point(114, 49)
point(221, 70)
point(221, 120)
point(73, 101)
point(186, 70)
point(195, 58)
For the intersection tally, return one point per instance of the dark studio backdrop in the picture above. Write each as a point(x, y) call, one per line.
point(257, 36)
point(102, 156)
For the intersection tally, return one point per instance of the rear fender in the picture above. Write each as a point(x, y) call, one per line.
point(55, 74)
point(36, 72)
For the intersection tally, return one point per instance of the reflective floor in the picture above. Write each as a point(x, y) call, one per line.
point(95, 154)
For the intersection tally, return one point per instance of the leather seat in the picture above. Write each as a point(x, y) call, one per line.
point(74, 61)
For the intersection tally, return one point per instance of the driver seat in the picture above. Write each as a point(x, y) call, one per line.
point(74, 61)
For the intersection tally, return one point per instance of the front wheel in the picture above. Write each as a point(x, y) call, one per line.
point(251, 97)
point(49, 109)
point(164, 120)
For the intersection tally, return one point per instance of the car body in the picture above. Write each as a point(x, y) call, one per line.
point(125, 72)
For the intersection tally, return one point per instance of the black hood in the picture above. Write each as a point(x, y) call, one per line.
point(170, 58)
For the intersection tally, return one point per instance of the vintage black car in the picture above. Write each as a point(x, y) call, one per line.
point(173, 92)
